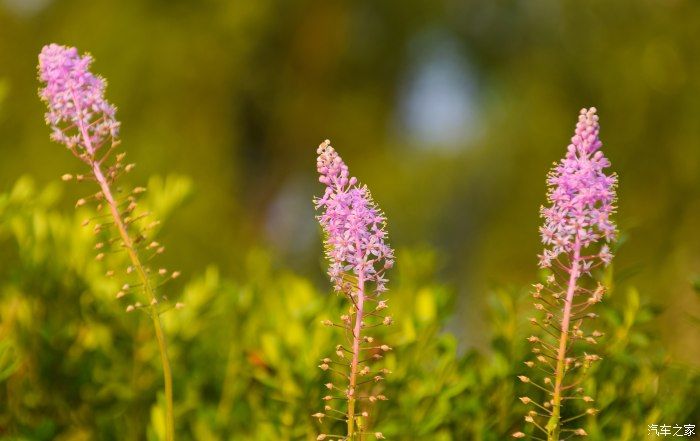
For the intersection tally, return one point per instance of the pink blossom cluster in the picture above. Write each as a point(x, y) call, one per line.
point(581, 196)
point(78, 114)
point(354, 227)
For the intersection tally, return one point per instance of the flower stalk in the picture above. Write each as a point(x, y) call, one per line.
point(553, 425)
point(355, 243)
point(576, 233)
point(152, 310)
point(84, 121)
point(355, 354)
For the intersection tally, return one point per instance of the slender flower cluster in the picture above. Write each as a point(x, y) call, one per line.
point(576, 232)
point(582, 199)
point(358, 255)
point(79, 115)
point(81, 118)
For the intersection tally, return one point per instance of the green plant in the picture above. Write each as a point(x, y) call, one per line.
point(243, 348)
point(84, 122)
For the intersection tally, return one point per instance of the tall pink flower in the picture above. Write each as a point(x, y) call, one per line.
point(355, 228)
point(83, 120)
point(581, 197)
point(358, 255)
point(78, 113)
point(576, 232)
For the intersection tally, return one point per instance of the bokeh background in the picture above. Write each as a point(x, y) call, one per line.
point(451, 111)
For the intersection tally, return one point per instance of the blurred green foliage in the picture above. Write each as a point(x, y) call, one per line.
point(75, 366)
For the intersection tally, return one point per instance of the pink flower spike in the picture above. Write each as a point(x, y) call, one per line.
point(355, 228)
point(78, 114)
point(576, 234)
point(581, 195)
point(358, 255)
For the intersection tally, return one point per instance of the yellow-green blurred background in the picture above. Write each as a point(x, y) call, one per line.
point(452, 112)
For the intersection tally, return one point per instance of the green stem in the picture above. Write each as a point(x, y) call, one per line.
point(140, 269)
point(355, 357)
point(554, 424)
point(150, 293)
point(167, 377)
